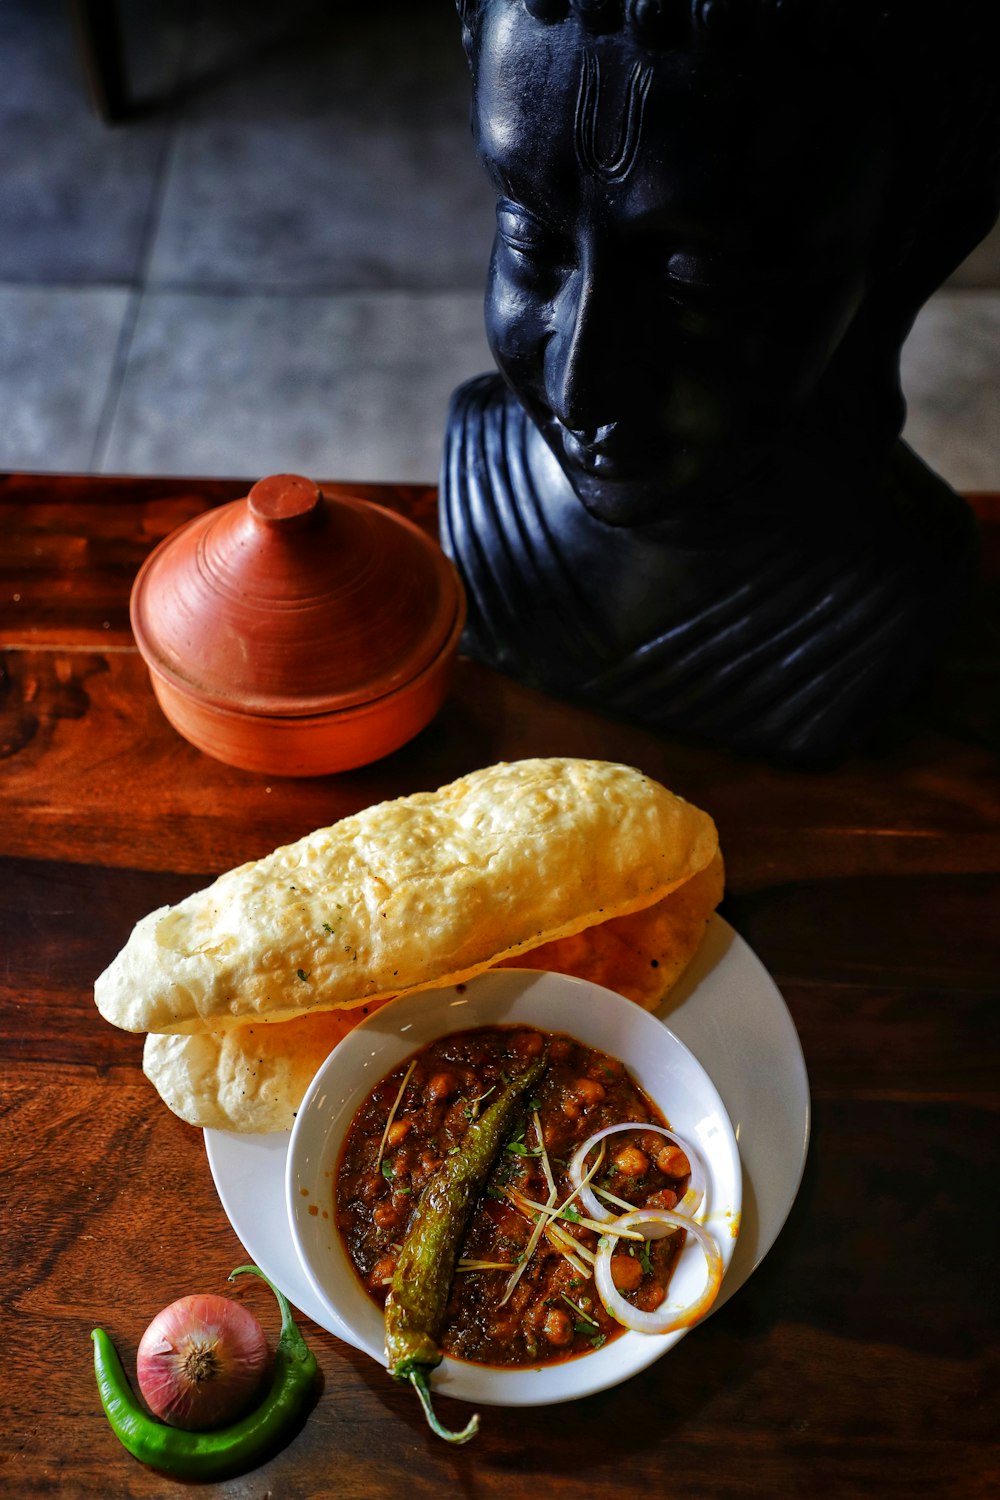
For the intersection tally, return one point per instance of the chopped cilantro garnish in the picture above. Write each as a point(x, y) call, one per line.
point(588, 1321)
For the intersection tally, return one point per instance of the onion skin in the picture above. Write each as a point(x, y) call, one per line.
point(201, 1362)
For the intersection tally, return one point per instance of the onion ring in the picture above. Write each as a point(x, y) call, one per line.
point(655, 1223)
point(689, 1204)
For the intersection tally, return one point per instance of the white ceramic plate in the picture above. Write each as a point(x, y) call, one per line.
point(661, 1065)
point(726, 1008)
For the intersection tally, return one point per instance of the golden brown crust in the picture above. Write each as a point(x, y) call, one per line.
point(253, 1077)
point(249, 1078)
point(641, 955)
point(425, 890)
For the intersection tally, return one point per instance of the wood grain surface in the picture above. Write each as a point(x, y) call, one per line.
point(859, 1360)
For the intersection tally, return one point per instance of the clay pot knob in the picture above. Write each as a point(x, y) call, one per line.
point(284, 501)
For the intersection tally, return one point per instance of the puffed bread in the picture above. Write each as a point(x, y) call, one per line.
point(644, 953)
point(425, 890)
point(249, 1078)
point(253, 1077)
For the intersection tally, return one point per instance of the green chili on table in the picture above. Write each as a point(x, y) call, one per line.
point(210, 1455)
point(418, 1297)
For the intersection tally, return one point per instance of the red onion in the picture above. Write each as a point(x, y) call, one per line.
point(201, 1362)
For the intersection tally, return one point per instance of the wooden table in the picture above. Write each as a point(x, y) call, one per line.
point(859, 1360)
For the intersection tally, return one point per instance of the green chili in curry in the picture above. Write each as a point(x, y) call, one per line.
point(418, 1295)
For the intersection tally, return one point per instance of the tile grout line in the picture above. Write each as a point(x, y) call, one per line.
point(116, 377)
point(137, 290)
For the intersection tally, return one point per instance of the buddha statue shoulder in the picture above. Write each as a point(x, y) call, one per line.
point(683, 495)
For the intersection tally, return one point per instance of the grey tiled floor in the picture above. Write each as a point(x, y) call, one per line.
point(279, 265)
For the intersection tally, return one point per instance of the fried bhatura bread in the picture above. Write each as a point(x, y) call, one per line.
point(425, 890)
point(249, 1078)
point(253, 1077)
point(642, 954)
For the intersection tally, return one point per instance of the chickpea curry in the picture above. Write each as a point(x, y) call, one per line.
point(524, 1290)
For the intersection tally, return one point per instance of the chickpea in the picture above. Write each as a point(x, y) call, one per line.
point(441, 1086)
point(626, 1272)
point(588, 1091)
point(373, 1188)
point(570, 1107)
point(631, 1162)
point(672, 1162)
point(608, 1067)
point(385, 1214)
point(382, 1271)
point(665, 1198)
point(558, 1049)
point(402, 1163)
point(528, 1043)
point(558, 1327)
point(398, 1131)
point(650, 1297)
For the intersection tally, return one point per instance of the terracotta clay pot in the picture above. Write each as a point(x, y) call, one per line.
point(297, 634)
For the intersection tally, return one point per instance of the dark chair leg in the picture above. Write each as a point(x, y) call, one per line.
point(99, 37)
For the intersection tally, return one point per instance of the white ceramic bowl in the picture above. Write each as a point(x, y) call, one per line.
point(658, 1061)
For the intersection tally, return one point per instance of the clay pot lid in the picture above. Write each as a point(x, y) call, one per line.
point(291, 603)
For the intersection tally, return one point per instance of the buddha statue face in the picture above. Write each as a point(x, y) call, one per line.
point(684, 243)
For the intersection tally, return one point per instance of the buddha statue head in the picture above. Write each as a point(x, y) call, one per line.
point(685, 497)
point(716, 222)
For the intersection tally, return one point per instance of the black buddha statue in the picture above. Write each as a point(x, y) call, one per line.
point(684, 498)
